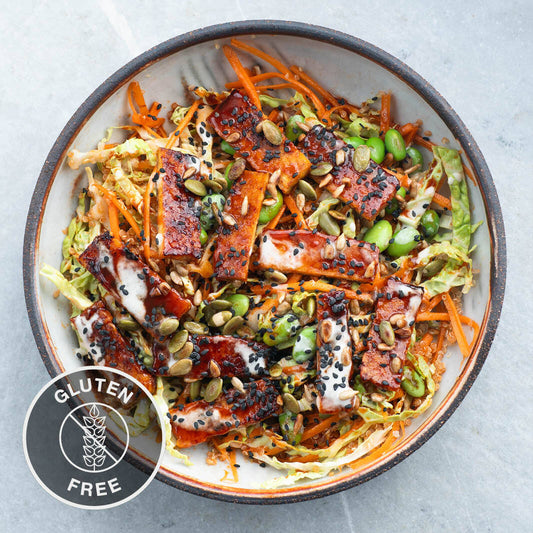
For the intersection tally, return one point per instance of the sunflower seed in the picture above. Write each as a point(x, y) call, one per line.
point(233, 137)
point(291, 403)
point(307, 189)
point(384, 347)
point(395, 364)
point(300, 201)
point(398, 320)
point(214, 369)
point(355, 336)
point(325, 181)
point(244, 206)
point(338, 191)
point(168, 326)
point(274, 177)
point(403, 333)
point(326, 331)
point(340, 156)
point(370, 270)
point(238, 384)
point(181, 367)
point(298, 423)
point(197, 299)
point(228, 219)
point(329, 251)
point(340, 244)
point(196, 187)
point(361, 157)
point(377, 397)
point(213, 389)
point(347, 394)
point(272, 133)
point(346, 358)
point(259, 127)
point(321, 169)
point(269, 201)
point(178, 341)
point(237, 169)
point(355, 308)
point(188, 173)
point(337, 214)
point(386, 332)
point(232, 325)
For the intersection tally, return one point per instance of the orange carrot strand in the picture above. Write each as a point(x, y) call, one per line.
point(235, 63)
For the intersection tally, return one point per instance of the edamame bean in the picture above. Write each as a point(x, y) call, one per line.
point(413, 385)
point(379, 234)
point(415, 157)
point(282, 329)
point(305, 346)
point(429, 223)
point(329, 225)
point(203, 236)
point(393, 205)
point(395, 144)
point(377, 149)
point(226, 147)
point(268, 212)
point(354, 141)
point(403, 241)
point(287, 420)
point(292, 131)
point(207, 218)
point(240, 303)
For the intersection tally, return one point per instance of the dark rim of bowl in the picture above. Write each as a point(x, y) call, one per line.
point(348, 42)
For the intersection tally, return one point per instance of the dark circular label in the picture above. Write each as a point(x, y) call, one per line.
point(94, 437)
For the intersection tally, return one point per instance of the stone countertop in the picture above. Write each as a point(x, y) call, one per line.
point(473, 474)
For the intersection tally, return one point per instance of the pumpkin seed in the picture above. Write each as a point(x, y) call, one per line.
point(148, 360)
point(386, 332)
point(328, 224)
point(232, 325)
point(291, 403)
point(219, 305)
point(220, 318)
point(181, 367)
point(321, 169)
point(213, 389)
point(361, 157)
point(272, 133)
point(194, 390)
point(185, 351)
point(310, 306)
point(307, 189)
point(168, 326)
point(215, 186)
point(177, 342)
point(237, 169)
point(275, 371)
point(195, 328)
point(277, 276)
point(196, 187)
point(128, 324)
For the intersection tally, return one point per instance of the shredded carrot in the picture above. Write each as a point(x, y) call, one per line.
point(304, 459)
point(254, 79)
point(113, 219)
point(183, 124)
point(273, 115)
point(272, 87)
point(294, 278)
point(408, 132)
point(442, 201)
point(274, 222)
point(294, 369)
point(321, 426)
point(446, 317)
point(427, 339)
point(119, 204)
point(468, 172)
point(423, 142)
point(326, 95)
point(263, 55)
point(235, 63)
point(456, 324)
point(143, 115)
point(378, 452)
point(384, 114)
point(293, 208)
point(440, 340)
point(404, 179)
point(146, 215)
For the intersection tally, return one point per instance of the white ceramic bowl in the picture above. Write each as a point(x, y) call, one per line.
point(349, 67)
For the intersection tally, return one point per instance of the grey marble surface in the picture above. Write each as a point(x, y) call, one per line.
point(475, 474)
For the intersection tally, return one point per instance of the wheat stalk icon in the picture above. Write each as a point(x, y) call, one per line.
point(93, 448)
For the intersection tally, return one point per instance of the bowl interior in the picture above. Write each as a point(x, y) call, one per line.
point(345, 73)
